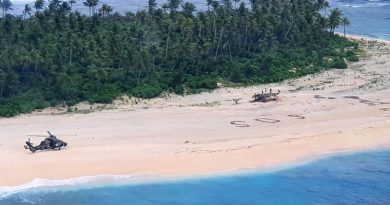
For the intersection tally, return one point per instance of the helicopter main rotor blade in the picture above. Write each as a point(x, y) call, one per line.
point(47, 135)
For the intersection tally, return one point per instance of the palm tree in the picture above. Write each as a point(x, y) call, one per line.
point(152, 6)
point(254, 4)
point(6, 5)
point(27, 10)
point(173, 5)
point(325, 6)
point(55, 5)
point(94, 4)
point(335, 19)
point(105, 10)
point(321, 4)
point(71, 2)
point(91, 4)
point(227, 4)
point(65, 8)
point(188, 9)
point(209, 2)
point(345, 23)
point(88, 3)
point(38, 4)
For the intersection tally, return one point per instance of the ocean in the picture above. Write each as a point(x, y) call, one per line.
point(354, 178)
point(369, 18)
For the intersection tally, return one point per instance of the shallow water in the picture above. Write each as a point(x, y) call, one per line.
point(360, 178)
point(368, 17)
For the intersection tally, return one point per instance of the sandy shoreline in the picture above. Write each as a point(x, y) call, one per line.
point(333, 111)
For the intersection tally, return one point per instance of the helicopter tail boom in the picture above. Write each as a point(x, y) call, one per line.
point(30, 146)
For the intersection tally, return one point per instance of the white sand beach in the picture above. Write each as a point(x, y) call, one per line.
point(332, 111)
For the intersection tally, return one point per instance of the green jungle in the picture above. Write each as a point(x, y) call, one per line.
point(51, 54)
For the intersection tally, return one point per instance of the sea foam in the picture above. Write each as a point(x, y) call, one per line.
point(79, 182)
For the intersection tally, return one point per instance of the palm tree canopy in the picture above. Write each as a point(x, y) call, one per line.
point(6, 5)
point(152, 4)
point(55, 5)
point(38, 4)
point(27, 9)
point(335, 18)
point(106, 9)
point(345, 21)
point(95, 2)
point(174, 4)
point(188, 8)
point(88, 3)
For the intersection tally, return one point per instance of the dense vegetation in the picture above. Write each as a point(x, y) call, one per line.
point(55, 55)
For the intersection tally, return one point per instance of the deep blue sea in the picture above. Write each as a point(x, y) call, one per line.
point(368, 17)
point(355, 179)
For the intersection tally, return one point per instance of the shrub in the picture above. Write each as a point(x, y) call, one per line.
point(105, 94)
point(9, 110)
point(147, 91)
point(339, 63)
point(201, 82)
point(353, 58)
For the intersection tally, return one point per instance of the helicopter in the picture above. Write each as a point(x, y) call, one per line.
point(50, 142)
point(265, 97)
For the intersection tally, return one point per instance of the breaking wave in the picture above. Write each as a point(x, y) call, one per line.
point(362, 4)
point(41, 184)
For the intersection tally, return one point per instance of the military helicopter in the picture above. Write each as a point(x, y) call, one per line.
point(50, 142)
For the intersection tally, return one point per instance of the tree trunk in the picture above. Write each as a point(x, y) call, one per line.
point(215, 30)
point(139, 73)
point(166, 49)
point(200, 32)
point(246, 35)
point(70, 60)
point(230, 50)
point(288, 31)
point(120, 57)
point(153, 64)
point(36, 65)
point(182, 32)
point(139, 76)
point(127, 73)
point(344, 30)
point(219, 42)
point(59, 54)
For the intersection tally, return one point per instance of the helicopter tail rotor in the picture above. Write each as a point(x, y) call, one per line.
point(30, 146)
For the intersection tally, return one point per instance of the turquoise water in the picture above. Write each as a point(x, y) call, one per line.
point(368, 17)
point(360, 178)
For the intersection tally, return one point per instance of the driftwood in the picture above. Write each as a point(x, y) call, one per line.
point(236, 100)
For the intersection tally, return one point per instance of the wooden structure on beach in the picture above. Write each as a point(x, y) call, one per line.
point(265, 97)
